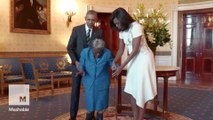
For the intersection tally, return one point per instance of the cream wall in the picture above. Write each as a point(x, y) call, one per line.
point(18, 42)
point(192, 1)
point(57, 40)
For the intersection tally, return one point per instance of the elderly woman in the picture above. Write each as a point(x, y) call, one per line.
point(95, 62)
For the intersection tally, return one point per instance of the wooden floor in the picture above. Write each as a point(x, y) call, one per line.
point(193, 83)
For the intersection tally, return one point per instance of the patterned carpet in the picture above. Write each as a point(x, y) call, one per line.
point(184, 103)
point(110, 114)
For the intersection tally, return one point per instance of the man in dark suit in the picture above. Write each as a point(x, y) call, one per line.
point(79, 39)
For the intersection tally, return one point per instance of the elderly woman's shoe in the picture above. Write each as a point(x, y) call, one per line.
point(99, 116)
point(90, 116)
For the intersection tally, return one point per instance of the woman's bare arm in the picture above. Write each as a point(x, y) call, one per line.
point(135, 49)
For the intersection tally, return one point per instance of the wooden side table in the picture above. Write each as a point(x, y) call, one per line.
point(161, 71)
point(165, 72)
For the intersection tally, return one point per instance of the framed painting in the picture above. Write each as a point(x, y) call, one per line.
point(30, 16)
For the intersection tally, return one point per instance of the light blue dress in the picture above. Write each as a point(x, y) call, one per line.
point(96, 79)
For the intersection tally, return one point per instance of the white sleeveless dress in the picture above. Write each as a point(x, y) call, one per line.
point(141, 75)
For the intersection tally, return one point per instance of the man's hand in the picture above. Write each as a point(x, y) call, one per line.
point(77, 64)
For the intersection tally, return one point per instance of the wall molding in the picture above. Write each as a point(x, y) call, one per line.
point(104, 9)
point(163, 53)
point(195, 6)
point(32, 54)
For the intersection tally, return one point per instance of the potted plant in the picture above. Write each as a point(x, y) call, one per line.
point(155, 25)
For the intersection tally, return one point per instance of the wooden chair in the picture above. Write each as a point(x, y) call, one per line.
point(31, 77)
point(1, 81)
point(6, 80)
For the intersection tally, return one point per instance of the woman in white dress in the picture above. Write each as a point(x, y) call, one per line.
point(141, 76)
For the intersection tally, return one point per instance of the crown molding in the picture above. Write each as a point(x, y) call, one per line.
point(104, 9)
point(195, 6)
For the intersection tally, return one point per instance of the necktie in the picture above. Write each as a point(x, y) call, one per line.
point(88, 36)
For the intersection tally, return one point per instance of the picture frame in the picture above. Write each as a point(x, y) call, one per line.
point(30, 16)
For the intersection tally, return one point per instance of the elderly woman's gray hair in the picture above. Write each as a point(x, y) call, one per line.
point(98, 44)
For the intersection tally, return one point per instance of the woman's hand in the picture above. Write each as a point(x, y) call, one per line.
point(117, 72)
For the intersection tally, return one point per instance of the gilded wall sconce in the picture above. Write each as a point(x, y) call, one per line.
point(69, 16)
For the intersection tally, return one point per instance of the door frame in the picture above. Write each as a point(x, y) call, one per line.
point(184, 9)
point(108, 9)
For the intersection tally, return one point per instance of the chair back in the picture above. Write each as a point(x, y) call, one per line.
point(29, 73)
point(1, 75)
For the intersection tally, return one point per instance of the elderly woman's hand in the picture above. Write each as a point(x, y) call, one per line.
point(79, 73)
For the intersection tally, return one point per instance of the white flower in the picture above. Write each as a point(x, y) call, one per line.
point(141, 21)
point(151, 37)
point(138, 10)
point(168, 21)
point(160, 20)
point(152, 10)
point(135, 13)
point(155, 24)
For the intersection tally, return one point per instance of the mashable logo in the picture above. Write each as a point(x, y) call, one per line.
point(22, 99)
point(19, 96)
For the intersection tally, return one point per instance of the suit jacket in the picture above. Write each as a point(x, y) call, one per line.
point(77, 41)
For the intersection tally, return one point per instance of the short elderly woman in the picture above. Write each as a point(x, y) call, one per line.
point(95, 62)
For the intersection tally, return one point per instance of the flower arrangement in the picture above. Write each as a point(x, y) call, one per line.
point(155, 24)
